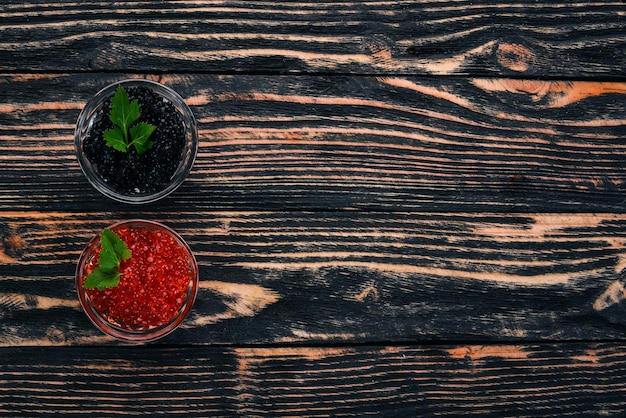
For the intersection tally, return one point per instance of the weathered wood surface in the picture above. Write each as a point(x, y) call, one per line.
point(342, 277)
point(399, 208)
point(531, 38)
point(344, 142)
point(449, 380)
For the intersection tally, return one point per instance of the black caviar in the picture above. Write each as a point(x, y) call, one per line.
point(129, 173)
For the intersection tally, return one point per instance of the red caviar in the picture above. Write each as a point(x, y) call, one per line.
point(154, 282)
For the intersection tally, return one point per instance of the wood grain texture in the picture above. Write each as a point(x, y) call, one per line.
point(531, 39)
point(527, 380)
point(335, 142)
point(399, 208)
point(341, 277)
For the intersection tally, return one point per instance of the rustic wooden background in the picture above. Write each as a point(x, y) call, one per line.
point(398, 207)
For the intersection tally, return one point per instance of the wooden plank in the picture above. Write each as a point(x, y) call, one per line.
point(479, 38)
point(320, 277)
point(486, 380)
point(334, 142)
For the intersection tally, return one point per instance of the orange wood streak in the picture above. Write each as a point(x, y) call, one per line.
point(6, 259)
point(543, 279)
point(555, 93)
point(240, 299)
point(314, 59)
point(26, 302)
point(260, 355)
point(10, 108)
point(22, 78)
point(482, 352)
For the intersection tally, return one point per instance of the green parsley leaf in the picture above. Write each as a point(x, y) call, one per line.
point(115, 138)
point(111, 241)
point(123, 111)
point(140, 134)
point(102, 279)
point(113, 251)
point(108, 260)
point(123, 114)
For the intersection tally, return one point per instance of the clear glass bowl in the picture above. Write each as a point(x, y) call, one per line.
point(92, 111)
point(143, 333)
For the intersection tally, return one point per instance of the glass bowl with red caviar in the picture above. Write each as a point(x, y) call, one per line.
point(157, 285)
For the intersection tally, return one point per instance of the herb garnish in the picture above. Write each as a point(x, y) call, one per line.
point(113, 251)
point(123, 114)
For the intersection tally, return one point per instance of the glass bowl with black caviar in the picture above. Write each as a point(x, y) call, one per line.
point(130, 176)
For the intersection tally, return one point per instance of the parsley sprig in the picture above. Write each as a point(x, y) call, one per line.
point(123, 114)
point(113, 251)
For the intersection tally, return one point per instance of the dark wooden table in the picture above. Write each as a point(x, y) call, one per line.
point(399, 208)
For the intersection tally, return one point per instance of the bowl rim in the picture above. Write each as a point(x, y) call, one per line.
point(87, 116)
point(119, 333)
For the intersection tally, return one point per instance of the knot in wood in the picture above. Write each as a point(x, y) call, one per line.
point(12, 246)
point(514, 57)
